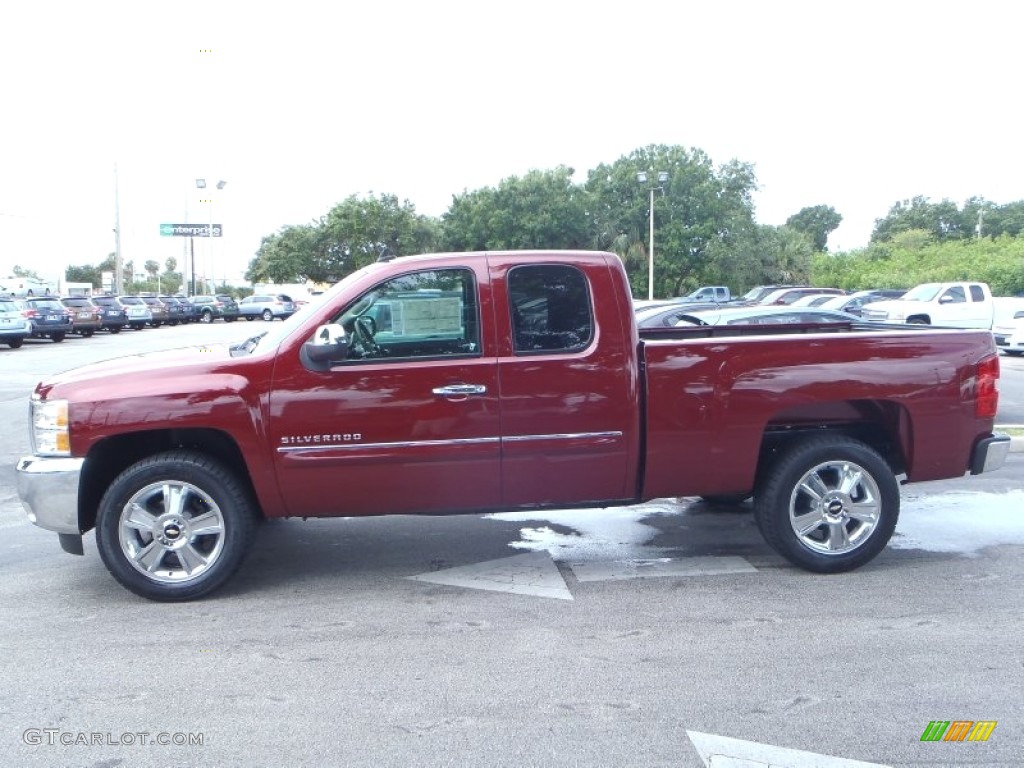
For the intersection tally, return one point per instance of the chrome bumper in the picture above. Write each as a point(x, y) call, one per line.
point(990, 453)
point(48, 487)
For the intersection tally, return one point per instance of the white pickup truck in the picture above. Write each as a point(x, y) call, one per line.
point(952, 305)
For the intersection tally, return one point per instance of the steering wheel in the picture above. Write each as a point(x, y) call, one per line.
point(363, 329)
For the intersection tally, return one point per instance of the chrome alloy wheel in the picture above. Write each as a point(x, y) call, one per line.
point(171, 532)
point(835, 507)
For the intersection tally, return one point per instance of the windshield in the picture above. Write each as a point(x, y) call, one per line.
point(270, 339)
point(754, 293)
point(925, 292)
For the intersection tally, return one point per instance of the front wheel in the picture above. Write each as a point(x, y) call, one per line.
point(174, 526)
point(14, 343)
point(828, 504)
point(268, 315)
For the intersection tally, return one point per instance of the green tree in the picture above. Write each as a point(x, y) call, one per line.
point(354, 233)
point(18, 271)
point(83, 273)
point(541, 210)
point(698, 211)
point(152, 268)
point(944, 220)
point(817, 222)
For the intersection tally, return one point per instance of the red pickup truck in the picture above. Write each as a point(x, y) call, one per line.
point(460, 383)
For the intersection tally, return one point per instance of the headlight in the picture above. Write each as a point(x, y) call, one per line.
point(50, 435)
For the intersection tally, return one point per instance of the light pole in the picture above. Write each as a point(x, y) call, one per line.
point(118, 278)
point(641, 176)
point(201, 184)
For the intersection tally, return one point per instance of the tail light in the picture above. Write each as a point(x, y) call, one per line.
point(987, 401)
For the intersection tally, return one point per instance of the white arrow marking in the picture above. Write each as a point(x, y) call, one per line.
point(531, 574)
point(723, 752)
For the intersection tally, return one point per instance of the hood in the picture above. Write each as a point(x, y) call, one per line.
point(147, 371)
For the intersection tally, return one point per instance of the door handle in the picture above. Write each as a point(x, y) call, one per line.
point(460, 390)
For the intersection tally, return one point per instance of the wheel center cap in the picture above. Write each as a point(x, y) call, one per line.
point(172, 532)
point(834, 509)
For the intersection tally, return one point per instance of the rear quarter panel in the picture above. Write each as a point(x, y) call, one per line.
point(710, 401)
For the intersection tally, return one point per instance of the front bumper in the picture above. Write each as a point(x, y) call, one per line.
point(990, 454)
point(48, 487)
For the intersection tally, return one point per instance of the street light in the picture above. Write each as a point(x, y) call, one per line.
point(201, 184)
point(641, 176)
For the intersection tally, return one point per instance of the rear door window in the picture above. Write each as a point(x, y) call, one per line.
point(551, 309)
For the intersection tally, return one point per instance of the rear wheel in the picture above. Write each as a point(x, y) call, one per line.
point(174, 526)
point(828, 504)
point(115, 329)
point(57, 337)
point(206, 317)
point(918, 321)
point(15, 343)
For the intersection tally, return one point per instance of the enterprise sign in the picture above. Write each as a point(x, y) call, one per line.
point(190, 230)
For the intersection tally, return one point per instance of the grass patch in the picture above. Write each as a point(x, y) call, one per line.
point(1013, 431)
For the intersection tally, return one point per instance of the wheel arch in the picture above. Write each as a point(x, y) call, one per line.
point(109, 457)
point(883, 425)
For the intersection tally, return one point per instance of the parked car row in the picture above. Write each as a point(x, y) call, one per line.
point(54, 318)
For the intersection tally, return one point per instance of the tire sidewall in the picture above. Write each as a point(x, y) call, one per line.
point(181, 466)
point(772, 502)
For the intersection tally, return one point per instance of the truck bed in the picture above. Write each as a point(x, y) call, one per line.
point(714, 395)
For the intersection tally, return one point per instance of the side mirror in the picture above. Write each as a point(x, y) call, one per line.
point(328, 345)
point(945, 299)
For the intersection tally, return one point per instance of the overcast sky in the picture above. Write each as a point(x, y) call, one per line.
point(298, 105)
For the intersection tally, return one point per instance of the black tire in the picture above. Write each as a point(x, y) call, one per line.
point(115, 329)
point(57, 337)
point(250, 318)
point(15, 343)
point(268, 315)
point(87, 334)
point(230, 319)
point(918, 321)
point(134, 521)
point(840, 541)
point(206, 317)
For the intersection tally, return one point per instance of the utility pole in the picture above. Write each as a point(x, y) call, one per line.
point(118, 278)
